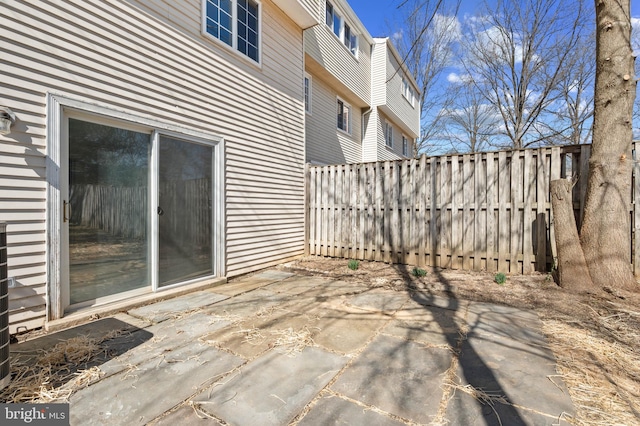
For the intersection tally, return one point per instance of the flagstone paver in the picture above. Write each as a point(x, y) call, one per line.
point(272, 389)
point(398, 376)
point(274, 347)
point(146, 391)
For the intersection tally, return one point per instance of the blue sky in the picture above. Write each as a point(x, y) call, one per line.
point(375, 13)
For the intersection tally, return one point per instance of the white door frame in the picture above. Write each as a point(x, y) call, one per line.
point(59, 107)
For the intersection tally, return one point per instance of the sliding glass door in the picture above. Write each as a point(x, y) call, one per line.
point(107, 211)
point(184, 211)
point(137, 210)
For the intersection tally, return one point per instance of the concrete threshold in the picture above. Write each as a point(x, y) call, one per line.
point(88, 314)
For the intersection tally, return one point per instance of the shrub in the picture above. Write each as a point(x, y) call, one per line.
point(353, 264)
point(500, 278)
point(419, 272)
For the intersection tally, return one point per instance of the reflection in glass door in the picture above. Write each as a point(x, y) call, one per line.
point(184, 211)
point(106, 210)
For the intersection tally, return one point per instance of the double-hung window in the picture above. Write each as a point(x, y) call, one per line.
point(407, 91)
point(350, 40)
point(405, 146)
point(344, 115)
point(341, 29)
point(235, 23)
point(388, 134)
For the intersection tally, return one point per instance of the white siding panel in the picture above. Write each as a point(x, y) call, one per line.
point(374, 134)
point(379, 72)
point(316, 7)
point(325, 48)
point(149, 58)
point(408, 115)
point(325, 143)
point(385, 152)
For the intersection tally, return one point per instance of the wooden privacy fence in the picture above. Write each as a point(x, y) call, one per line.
point(486, 211)
point(122, 211)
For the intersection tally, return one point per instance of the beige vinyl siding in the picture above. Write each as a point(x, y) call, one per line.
point(149, 58)
point(407, 115)
point(316, 7)
point(374, 133)
point(394, 152)
point(379, 72)
point(325, 143)
point(330, 53)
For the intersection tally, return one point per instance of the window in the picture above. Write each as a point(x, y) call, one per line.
point(350, 40)
point(236, 23)
point(407, 91)
point(329, 15)
point(337, 24)
point(344, 112)
point(307, 93)
point(405, 146)
point(388, 134)
point(341, 29)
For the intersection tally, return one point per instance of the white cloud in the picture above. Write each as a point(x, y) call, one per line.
point(449, 25)
point(635, 35)
point(455, 78)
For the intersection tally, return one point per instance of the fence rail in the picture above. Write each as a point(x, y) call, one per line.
point(485, 211)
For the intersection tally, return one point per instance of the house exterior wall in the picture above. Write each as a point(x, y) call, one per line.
point(334, 146)
point(374, 137)
point(406, 115)
point(315, 7)
point(394, 152)
point(149, 58)
point(330, 54)
point(378, 71)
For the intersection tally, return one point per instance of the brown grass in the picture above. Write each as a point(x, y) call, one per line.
point(54, 374)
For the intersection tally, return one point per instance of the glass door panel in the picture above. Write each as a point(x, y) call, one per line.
point(107, 211)
point(184, 211)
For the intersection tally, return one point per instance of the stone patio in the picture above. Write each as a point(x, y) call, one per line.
point(277, 349)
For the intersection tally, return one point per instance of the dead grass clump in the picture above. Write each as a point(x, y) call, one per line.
point(55, 374)
point(597, 370)
point(293, 341)
point(82, 379)
point(253, 336)
point(234, 319)
point(484, 397)
point(73, 351)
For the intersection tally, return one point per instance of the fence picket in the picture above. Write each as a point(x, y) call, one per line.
point(492, 229)
point(487, 211)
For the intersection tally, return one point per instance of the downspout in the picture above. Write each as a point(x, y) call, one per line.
point(362, 130)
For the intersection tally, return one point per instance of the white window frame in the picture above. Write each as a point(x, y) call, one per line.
point(59, 109)
point(388, 134)
point(408, 92)
point(347, 122)
point(234, 33)
point(308, 90)
point(351, 44)
point(405, 146)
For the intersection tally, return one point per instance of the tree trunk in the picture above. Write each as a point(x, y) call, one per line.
point(573, 273)
point(605, 235)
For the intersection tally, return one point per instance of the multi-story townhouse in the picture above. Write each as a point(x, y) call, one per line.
point(156, 145)
point(361, 102)
point(159, 146)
